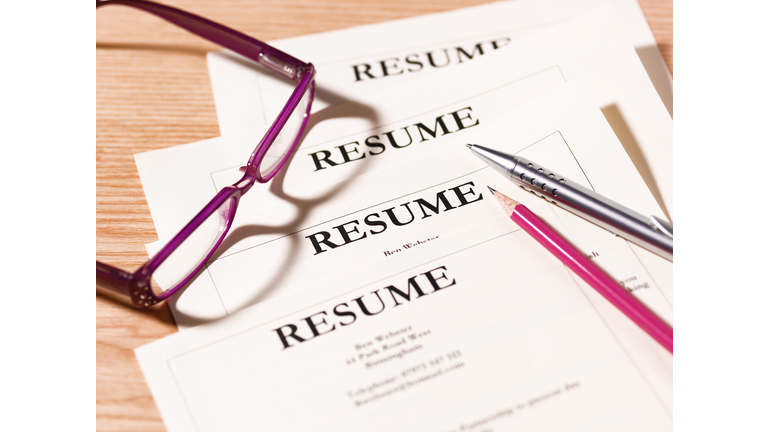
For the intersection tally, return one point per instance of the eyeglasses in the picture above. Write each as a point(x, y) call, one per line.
point(187, 252)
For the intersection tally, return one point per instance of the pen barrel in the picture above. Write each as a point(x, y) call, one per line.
point(594, 276)
point(590, 205)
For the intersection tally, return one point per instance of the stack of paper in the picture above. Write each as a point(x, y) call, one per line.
point(387, 291)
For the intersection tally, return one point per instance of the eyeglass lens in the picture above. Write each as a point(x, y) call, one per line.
point(286, 138)
point(194, 250)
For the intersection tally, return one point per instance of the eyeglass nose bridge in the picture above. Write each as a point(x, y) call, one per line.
point(248, 179)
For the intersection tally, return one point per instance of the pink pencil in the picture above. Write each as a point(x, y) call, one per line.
point(588, 271)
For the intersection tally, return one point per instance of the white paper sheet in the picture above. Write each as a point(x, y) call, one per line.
point(503, 337)
point(358, 63)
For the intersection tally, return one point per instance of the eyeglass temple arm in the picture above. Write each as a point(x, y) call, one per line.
point(112, 278)
point(270, 57)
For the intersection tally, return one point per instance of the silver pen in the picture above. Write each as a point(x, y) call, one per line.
point(651, 232)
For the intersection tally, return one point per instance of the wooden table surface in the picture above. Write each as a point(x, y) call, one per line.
point(152, 92)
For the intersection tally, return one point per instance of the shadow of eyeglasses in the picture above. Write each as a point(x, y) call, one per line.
point(287, 230)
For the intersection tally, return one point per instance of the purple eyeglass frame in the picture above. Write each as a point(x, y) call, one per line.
point(137, 285)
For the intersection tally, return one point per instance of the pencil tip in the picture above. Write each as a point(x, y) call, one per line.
point(469, 145)
point(507, 203)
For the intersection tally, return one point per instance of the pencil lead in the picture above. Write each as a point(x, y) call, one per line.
point(493, 191)
point(469, 145)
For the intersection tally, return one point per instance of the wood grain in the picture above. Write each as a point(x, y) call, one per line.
point(153, 91)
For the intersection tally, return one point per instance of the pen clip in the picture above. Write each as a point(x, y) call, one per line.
point(662, 226)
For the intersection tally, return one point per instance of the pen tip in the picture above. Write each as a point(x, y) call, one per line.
point(493, 191)
point(469, 145)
